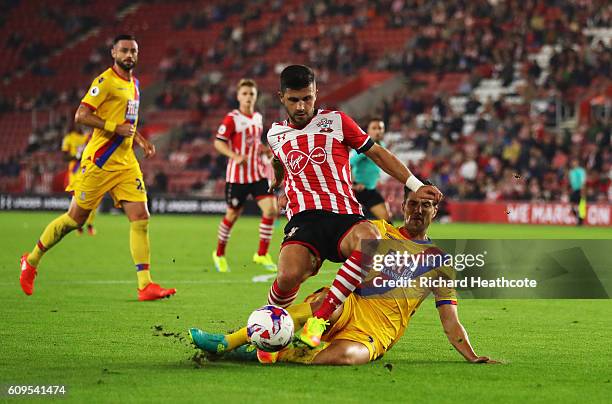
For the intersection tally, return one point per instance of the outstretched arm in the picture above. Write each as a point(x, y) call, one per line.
point(457, 335)
point(398, 170)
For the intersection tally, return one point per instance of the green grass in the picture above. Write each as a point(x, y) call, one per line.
point(84, 328)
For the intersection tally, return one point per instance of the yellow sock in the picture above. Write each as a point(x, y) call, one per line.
point(144, 277)
point(52, 234)
point(90, 218)
point(582, 208)
point(302, 354)
point(236, 339)
point(139, 247)
point(299, 313)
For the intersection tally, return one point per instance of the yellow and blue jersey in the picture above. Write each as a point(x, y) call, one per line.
point(377, 316)
point(73, 143)
point(116, 99)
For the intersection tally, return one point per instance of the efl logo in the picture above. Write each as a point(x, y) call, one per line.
point(297, 159)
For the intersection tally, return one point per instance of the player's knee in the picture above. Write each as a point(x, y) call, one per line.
point(232, 215)
point(342, 359)
point(78, 214)
point(366, 231)
point(288, 279)
point(144, 215)
point(79, 219)
point(272, 211)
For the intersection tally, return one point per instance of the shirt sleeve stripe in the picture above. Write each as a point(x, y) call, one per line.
point(89, 106)
point(367, 145)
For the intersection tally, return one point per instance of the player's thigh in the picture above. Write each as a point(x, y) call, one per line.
point(232, 214)
point(364, 230)
point(380, 211)
point(90, 186)
point(295, 264)
point(77, 213)
point(343, 352)
point(268, 205)
point(266, 200)
point(129, 187)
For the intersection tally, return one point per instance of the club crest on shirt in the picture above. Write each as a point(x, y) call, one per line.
point(297, 159)
point(325, 125)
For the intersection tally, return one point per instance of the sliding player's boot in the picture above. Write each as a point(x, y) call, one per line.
point(213, 343)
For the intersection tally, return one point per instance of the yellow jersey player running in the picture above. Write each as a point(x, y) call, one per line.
point(108, 164)
point(73, 145)
point(370, 321)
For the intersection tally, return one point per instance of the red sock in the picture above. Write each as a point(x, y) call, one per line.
point(225, 229)
point(282, 298)
point(265, 234)
point(349, 276)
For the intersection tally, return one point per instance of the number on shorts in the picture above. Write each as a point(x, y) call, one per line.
point(138, 184)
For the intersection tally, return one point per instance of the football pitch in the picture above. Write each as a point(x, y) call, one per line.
point(84, 329)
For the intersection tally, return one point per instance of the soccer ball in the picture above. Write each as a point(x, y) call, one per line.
point(270, 328)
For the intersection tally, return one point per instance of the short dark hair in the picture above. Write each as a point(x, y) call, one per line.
point(296, 77)
point(407, 190)
point(375, 119)
point(123, 37)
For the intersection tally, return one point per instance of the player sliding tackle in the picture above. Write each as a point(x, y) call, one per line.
point(108, 164)
point(371, 320)
point(311, 150)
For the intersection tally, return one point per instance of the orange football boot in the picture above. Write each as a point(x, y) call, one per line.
point(153, 292)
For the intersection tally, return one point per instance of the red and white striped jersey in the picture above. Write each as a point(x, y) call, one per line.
point(316, 160)
point(243, 135)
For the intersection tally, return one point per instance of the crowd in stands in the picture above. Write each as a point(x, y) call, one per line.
point(498, 149)
point(505, 154)
point(68, 24)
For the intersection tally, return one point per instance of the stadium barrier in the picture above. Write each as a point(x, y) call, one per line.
point(510, 212)
point(514, 212)
point(158, 204)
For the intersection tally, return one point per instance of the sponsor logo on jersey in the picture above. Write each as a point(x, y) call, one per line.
point(94, 91)
point(297, 159)
point(131, 112)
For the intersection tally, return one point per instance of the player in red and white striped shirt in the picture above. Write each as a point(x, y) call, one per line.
point(311, 150)
point(239, 138)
